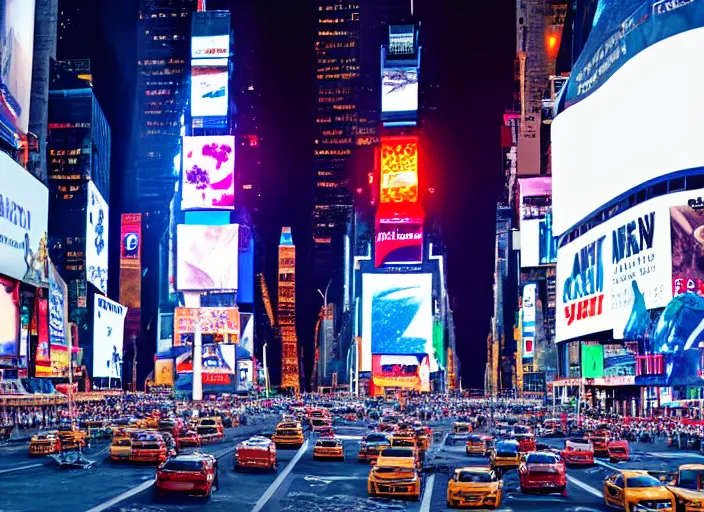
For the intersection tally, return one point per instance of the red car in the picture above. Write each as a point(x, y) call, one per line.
point(600, 440)
point(195, 474)
point(187, 439)
point(578, 452)
point(257, 452)
point(618, 451)
point(543, 471)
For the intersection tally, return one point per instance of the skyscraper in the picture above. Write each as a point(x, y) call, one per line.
point(163, 58)
point(338, 72)
point(286, 312)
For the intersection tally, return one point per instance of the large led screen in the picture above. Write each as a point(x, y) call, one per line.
point(17, 22)
point(108, 336)
point(209, 90)
point(40, 327)
point(206, 257)
point(24, 204)
point(245, 281)
point(216, 358)
point(404, 371)
point(398, 243)
point(223, 324)
point(538, 245)
point(612, 276)
point(208, 178)
point(58, 308)
point(97, 239)
point(397, 316)
point(399, 89)
point(528, 321)
point(592, 361)
point(9, 317)
point(399, 169)
point(639, 72)
point(207, 47)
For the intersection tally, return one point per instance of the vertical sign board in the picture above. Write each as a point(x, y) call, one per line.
point(131, 272)
point(528, 323)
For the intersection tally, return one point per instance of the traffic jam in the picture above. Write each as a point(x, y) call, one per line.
point(474, 455)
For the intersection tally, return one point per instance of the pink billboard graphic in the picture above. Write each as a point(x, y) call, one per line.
point(208, 177)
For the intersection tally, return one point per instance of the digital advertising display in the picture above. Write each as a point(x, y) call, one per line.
point(397, 316)
point(538, 245)
point(399, 169)
point(131, 240)
point(24, 209)
point(399, 90)
point(209, 89)
point(399, 371)
point(619, 360)
point(592, 361)
point(58, 308)
point(108, 337)
point(221, 322)
point(245, 280)
point(17, 22)
point(40, 327)
point(164, 372)
point(208, 177)
point(209, 47)
point(247, 335)
point(206, 257)
point(9, 317)
point(217, 358)
point(97, 238)
point(635, 52)
point(612, 276)
point(528, 322)
point(398, 242)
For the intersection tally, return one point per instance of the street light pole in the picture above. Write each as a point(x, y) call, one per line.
point(266, 372)
point(325, 339)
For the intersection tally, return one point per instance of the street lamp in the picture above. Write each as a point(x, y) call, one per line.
point(325, 340)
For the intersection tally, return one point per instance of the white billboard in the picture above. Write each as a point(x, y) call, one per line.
point(205, 47)
point(206, 257)
point(17, 20)
point(528, 321)
point(97, 235)
point(208, 176)
point(209, 90)
point(24, 204)
point(108, 333)
point(636, 127)
point(397, 316)
point(616, 271)
point(399, 89)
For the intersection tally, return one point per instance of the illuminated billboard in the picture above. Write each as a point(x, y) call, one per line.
point(58, 308)
point(97, 239)
point(397, 316)
point(399, 90)
point(404, 371)
point(164, 372)
point(9, 317)
point(398, 242)
point(610, 277)
point(221, 324)
point(24, 202)
point(636, 52)
point(208, 47)
point(108, 333)
point(216, 358)
point(40, 327)
point(538, 245)
point(208, 177)
point(399, 169)
point(245, 280)
point(206, 257)
point(592, 361)
point(528, 322)
point(209, 88)
point(131, 240)
point(17, 23)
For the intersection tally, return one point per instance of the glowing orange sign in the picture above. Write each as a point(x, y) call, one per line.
point(399, 169)
point(219, 321)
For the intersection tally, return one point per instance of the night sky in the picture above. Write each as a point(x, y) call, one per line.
point(473, 44)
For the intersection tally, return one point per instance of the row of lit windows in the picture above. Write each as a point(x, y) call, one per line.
point(60, 162)
point(153, 112)
point(160, 62)
point(338, 76)
point(336, 69)
point(344, 107)
point(172, 14)
point(331, 133)
point(336, 140)
point(333, 152)
point(326, 173)
point(327, 21)
point(322, 241)
point(333, 33)
point(338, 7)
point(158, 92)
point(161, 72)
point(175, 37)
point(328, 184)
point(65, 177)
point(336, 44)
point(69, 152)
point(149, 83)
point(334, 99)
point(329, 91)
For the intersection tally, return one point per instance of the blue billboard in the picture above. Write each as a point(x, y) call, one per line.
point(245, 292)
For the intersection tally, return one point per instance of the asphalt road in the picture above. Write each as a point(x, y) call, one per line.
point(301, 484)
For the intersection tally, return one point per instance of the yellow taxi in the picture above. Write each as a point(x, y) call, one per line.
point(329, 448)
point(44, 443)
point(121, 447)
point(476, 445)
point(395, 475)
point(688, 487)
point(461, 427)
point(637, 490)
point(505, 456)
point(474, 487)
point(288, 434)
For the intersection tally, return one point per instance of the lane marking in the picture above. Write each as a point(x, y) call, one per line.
point(588, 488)
point(350, 438)
point(20, 468)
point(330, 479)
point(280, 479)
point(428, 495)
point(675, 455)
point(125, 495)
point(607, 465)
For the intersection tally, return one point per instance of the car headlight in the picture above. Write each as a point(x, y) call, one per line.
point(694, 504)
